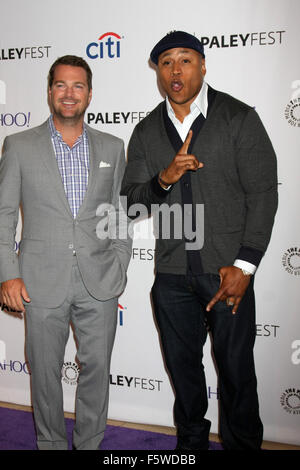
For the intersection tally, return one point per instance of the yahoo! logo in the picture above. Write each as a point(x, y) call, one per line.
point(108, 46)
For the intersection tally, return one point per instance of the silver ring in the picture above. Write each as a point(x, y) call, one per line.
point(229, 302)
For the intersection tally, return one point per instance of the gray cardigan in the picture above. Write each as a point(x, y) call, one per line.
point(237, 185)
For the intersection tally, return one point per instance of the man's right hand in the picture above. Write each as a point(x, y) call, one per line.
point(13, 293)
point(181, 163)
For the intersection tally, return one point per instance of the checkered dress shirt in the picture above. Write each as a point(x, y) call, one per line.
point(73, 165)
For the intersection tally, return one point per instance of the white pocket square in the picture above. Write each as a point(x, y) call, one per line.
point(104, 164)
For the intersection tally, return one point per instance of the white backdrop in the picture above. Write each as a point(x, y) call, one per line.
point(252, 52)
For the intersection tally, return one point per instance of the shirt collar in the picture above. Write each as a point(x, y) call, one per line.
point(55, 133)
point(200, 103)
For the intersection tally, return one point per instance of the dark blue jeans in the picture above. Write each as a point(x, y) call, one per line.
point(180, 310)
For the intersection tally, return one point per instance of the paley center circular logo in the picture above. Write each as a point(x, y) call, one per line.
point(291, 261)
point(70, 373)
point(290, 401)
point(292, 110)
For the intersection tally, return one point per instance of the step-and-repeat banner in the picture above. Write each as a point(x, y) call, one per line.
point(252, 53)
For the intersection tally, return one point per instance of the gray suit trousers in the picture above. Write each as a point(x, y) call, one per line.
point(47, 332)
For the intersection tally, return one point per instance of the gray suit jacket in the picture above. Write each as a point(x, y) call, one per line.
point(29, 176)
point(237, 185)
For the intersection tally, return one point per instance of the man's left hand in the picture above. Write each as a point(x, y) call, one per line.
point(232, 287)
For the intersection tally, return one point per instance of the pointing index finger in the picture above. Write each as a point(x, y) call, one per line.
point(186, 144)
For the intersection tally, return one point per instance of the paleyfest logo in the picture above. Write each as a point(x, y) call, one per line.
point(109, 46)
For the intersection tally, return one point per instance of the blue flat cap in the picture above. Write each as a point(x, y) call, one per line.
point(176, 39)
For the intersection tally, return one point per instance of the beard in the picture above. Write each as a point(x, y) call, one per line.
point(68, 117)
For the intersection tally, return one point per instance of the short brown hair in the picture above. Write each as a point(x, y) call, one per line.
point(75, 62)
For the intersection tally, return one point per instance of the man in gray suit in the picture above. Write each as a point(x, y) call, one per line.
point(204, 278)
point(67, 177)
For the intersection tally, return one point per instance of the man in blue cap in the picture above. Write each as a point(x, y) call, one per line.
point(204, 148)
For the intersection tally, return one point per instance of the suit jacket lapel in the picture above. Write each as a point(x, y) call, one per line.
point(95, 150)
point(45, 149)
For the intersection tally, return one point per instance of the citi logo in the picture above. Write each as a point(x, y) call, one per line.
point(108, 47)
point(121, 313)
